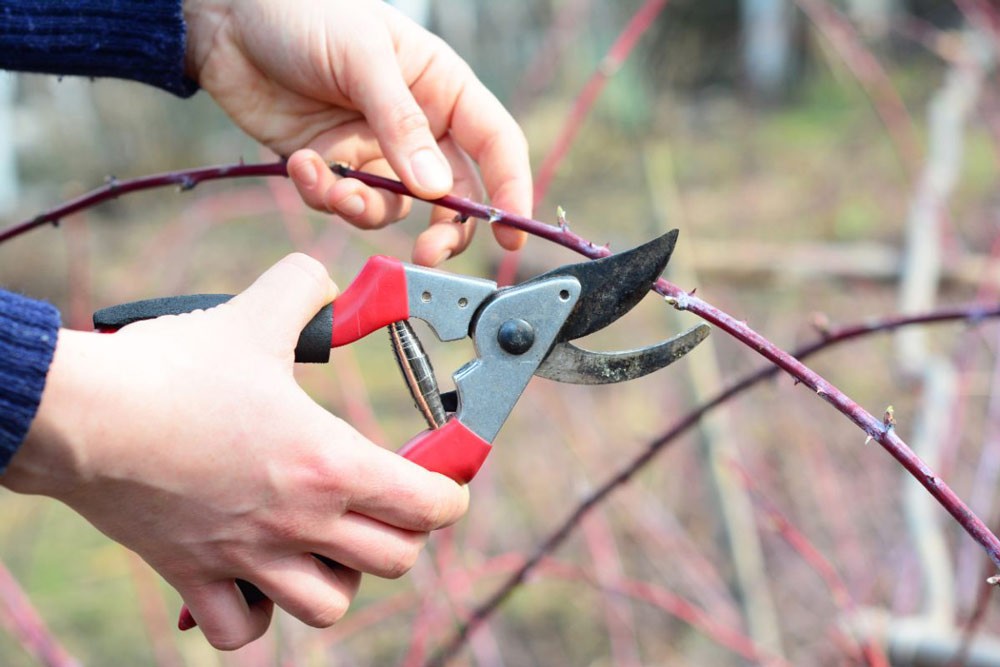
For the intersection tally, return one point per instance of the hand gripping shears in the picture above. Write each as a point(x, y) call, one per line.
point(518, 332)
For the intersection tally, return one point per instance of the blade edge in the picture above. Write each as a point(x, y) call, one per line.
point(572, 364)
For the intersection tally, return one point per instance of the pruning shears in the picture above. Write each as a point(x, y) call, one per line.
point(518, 332)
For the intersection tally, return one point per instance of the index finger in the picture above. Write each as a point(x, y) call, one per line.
point(485, 130)
point(457, 103)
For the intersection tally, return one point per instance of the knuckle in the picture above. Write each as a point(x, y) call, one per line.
point(440, 509)
point(404, 560)
point(226, 643)
point(409, 119)
point(431, 516)
point(308, 265)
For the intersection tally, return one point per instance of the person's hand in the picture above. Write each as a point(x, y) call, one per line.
point(187, 439)
point(357, 82)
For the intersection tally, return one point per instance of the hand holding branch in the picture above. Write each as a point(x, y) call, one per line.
point(359, 83)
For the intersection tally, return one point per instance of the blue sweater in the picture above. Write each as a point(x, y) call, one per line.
point(141, 40)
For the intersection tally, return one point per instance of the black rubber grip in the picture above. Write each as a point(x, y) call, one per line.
point(314, 341)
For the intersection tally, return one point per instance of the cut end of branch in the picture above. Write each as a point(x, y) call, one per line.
point(339, 168)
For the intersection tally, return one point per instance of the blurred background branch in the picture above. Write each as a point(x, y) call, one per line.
point(798, 132)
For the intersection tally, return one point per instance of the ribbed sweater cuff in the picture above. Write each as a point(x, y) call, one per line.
point(141, 40)
point(28, 333)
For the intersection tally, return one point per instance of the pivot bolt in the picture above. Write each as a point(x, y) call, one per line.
point(516, 336)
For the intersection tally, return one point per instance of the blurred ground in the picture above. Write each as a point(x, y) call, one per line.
point(787, 210)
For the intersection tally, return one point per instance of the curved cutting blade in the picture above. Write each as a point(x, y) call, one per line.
point(568, 363)
point(613, 285)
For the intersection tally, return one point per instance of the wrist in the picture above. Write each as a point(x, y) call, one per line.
point(203, 20)
point(52, 460)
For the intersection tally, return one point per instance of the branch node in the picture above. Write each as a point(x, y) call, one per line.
point(495, 215)
point(186, 183)
point(994, 580)
point(679, 302)
point(889, 419)
point(112, 182)
point(561, 219)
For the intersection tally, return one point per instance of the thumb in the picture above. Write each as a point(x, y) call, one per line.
point(400, 125)
point(284, 298)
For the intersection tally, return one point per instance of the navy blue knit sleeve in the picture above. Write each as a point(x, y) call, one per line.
point(28, 333)
point(140, 40)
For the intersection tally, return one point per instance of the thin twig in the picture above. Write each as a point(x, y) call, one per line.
point(873, 79)
point(680, 299)
point(674, 295)
point(975, 313)
point(609, 65)
point(185, 179)
point(21, 620)
point(874, 656)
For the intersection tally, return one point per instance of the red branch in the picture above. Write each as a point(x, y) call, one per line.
point(185, 180)
point(973, 313)
point(680, 299)
point(610, 63)
point(873, 79)
point(883, 433)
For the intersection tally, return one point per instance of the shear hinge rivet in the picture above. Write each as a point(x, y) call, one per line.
point(516, 336)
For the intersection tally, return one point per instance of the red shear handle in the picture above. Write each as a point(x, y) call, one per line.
point(452, 450)
point(375, 299)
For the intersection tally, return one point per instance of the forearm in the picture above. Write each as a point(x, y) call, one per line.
point(28, 333)
point(137, 40)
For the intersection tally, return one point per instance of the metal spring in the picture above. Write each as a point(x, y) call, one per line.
point(418, 373)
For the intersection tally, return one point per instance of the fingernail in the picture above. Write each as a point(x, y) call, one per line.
point(306, 173)
point(430, 171)
point(351, 206)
